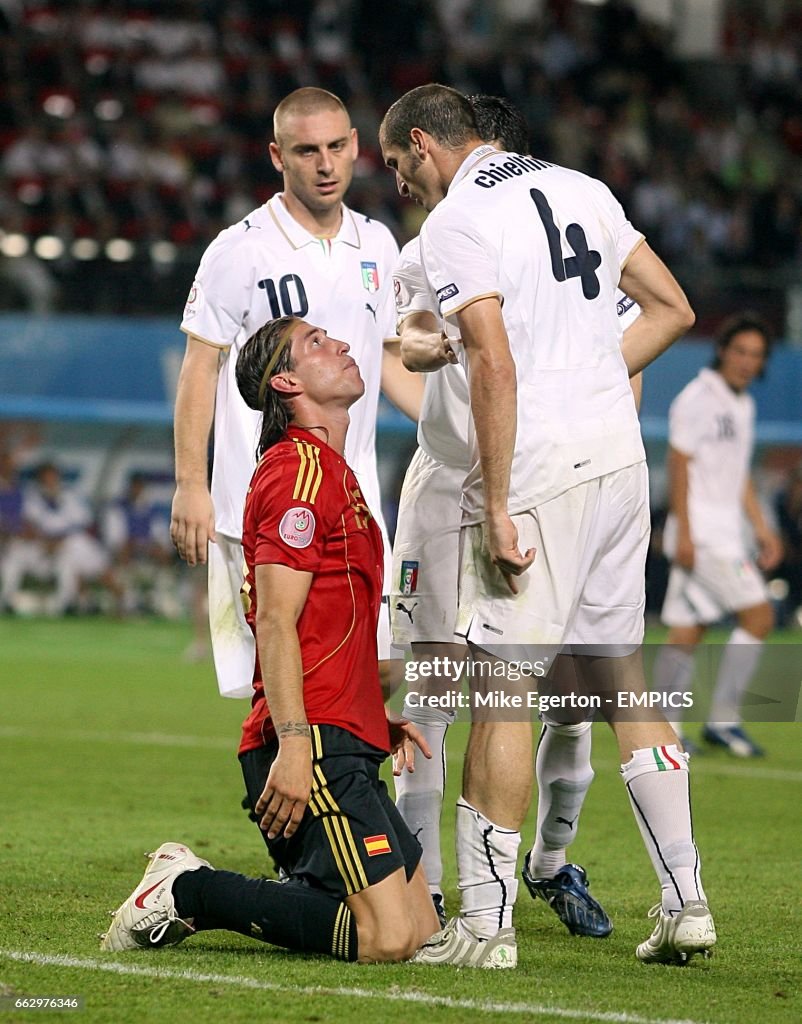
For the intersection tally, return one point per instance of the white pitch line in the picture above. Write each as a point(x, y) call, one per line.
point(421, 998)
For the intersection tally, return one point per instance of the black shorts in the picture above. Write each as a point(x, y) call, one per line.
point(351, 835)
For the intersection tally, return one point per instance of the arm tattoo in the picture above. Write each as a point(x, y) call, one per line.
point(293, 729)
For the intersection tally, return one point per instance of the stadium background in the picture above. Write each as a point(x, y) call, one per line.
point(130, 133)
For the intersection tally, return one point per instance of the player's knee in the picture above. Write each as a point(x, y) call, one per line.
point(392, 942)
point(758, 621)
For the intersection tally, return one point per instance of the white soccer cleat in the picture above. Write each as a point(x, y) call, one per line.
point(676, 939)
point(148, 917)
point(449, 947)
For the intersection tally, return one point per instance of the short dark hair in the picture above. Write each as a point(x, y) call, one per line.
point(264, 355)
point(737, 324)
point(498, 120)
point(438, 110)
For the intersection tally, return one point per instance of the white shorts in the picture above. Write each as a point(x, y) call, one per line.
point(586, 586)
point(233, 644)
point(717, 584)
point(423, 591)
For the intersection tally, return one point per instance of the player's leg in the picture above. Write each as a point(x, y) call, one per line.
point(653, 766)
point(738, 665)
point(673, 670)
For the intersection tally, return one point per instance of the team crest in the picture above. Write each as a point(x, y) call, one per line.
point(297, 527)
point(370, 277)
point(409, 577)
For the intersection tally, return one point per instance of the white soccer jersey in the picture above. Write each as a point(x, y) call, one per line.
point(444, 417)
point(714, 426)
point(267, 266)
point(551, 243)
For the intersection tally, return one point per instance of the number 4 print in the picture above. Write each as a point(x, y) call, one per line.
point(583, 264)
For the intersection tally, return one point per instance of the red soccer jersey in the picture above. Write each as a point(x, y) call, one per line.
point(304, 509)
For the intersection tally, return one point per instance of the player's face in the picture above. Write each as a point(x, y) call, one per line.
point(315, 153)
point(323, 367)
point(743, 359)
point(414, 178)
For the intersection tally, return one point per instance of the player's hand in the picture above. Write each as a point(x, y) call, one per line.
point(192, 523)
point(286, 793)
point(685, 554)
point(501, 537)
point(404, 737)
point(770, 550)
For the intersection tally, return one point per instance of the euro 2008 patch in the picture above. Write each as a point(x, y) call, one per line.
point(297, 527)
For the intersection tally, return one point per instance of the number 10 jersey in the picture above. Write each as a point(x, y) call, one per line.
point(267, 266)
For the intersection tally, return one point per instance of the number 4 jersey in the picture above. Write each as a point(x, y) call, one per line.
point(551, 244)
point(267, 266)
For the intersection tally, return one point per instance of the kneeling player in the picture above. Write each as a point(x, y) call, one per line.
point(317, 732)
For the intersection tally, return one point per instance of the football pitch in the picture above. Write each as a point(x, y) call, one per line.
point(111, 744)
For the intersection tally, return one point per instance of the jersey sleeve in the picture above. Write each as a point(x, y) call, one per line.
point(459, 264)
point(685, 424)
point(293, 507)
point(412, 291)
point(219, 299)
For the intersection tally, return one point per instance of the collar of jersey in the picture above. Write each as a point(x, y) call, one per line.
point(298, 236)
point(474, 157)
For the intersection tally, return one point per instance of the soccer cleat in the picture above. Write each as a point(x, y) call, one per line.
point(449, 947)
point(733, 739)
point(568, 896)
point(440, 908)
point(148, 916)
point(676, 939)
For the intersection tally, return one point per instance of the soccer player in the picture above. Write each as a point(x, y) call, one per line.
point(303, 253)
point(317, 732)
point(558, 467)
point(711, 439)
point(423, 604)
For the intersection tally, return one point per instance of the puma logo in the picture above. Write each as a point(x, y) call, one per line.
point(401, 607)
point(248, 226)
point(372, 310)
point(565, 821)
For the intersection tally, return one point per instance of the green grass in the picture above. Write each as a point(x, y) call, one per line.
point(111, 744)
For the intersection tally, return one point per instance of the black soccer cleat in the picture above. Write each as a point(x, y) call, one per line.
point(569, 897)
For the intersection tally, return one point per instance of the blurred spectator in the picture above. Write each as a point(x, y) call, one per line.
point(55, 543)
point(135, 531)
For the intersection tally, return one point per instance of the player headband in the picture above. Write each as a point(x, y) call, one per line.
point(281, 345)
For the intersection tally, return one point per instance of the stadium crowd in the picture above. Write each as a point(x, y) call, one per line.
point(132, 132)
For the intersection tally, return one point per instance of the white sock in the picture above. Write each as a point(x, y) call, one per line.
point(419, 794)
point(658, 784)
point(738, 663)
point(564, 775)
point(487, 856)
point(673, 672)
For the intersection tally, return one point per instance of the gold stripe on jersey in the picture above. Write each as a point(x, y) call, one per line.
point(344, 870)
point(310, 473)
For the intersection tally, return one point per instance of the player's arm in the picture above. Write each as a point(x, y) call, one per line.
point(665, 312)
point(769, 544)
point(494, 407)
point(281, 594)
point(402, 387)
point(192, 519)
point(636, 383)
point(678, 463)
point(424, 347)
